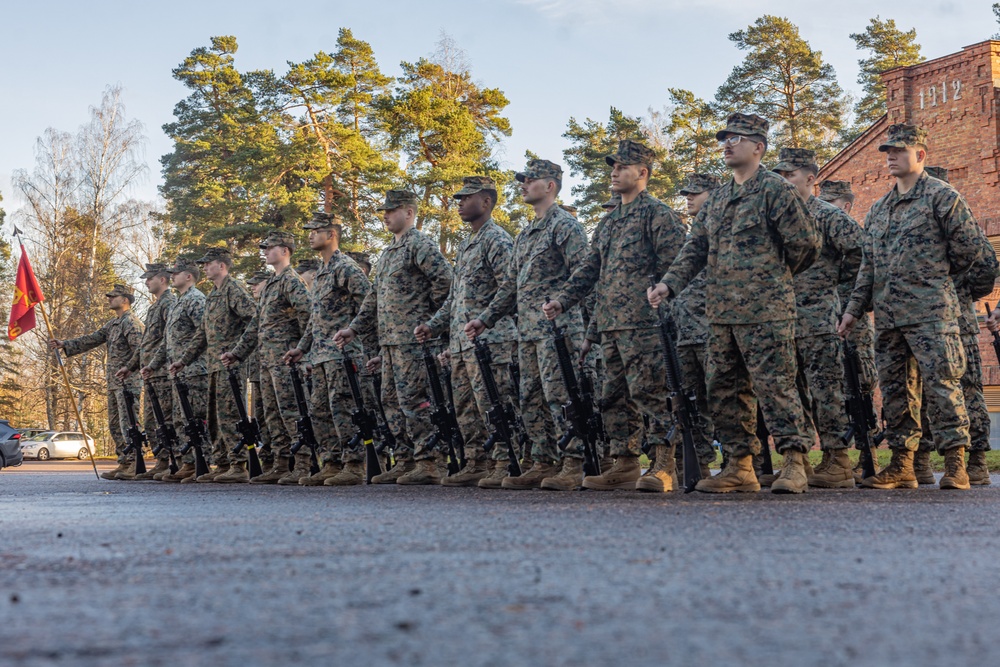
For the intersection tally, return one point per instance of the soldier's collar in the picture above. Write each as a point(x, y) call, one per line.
point(475, 236)
point(397, 243)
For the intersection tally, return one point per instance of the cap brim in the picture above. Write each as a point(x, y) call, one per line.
point(786, 167)
point(689, 191)
point(521, 177)
point(892, 144)
point(465, 192)
point(111, 294)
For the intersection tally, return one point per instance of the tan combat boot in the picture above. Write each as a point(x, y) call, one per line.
point(978, 471)
point(738, 475)
point(569, 477)
point(474, 470)
point(496, 476)
point(237, 474)
point(922, 468)
point(399, 468)
point(210, 477)
point(185, 471)
point(955, 476)
point(128, 474)
point(300, 471)
point(835, 472)
point(623, 474)
point(793, 478)
point(161, 466)
point(113, 474)
point(424, 473)
point(277, 471)
point(329, 469)
point(532, 478)
point(897, 475)
point(351, 474)
point(660, 477)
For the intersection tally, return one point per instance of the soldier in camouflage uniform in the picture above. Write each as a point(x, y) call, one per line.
point(820, 352)
point(183, 325)
point(337, 294)
point(693, 330)
point(412, 280)
point(279, 323)
point(753, 234)
point(480, 266)
point(307, 268)
point(638, 239)
point(918, 235)
point(256, 285)
point(228, 311)
point(122, 334)
point(545, 255)
point(157, 282)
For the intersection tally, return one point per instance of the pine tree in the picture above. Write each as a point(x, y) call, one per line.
point(693, 123)
point(888, 47)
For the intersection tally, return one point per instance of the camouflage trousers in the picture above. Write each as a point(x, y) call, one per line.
point(332, 404)
point(634, 373)
point(118, 419)
point(925, 359)
point(257, 403)
point(692, 359)
point(280, 410)
point(820, 379)
point(222, 419)
point(975, 403)
point(748, 363)
point(543, 394)
point(198, 397)
point(472, 402)
point(164, 391)
point(863, 337)
point(406, 401)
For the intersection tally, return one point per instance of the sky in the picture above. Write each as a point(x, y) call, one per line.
point(554, 59)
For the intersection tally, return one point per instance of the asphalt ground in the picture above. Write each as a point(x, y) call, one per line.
point(144, 573)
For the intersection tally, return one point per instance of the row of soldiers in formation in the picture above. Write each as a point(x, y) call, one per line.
point(763, 285)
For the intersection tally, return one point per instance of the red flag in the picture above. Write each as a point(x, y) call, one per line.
point(27, 294)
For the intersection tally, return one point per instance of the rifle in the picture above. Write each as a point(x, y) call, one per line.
point(500, 418)
point(684, 406)
point(860, 411)
point(766, 465)
point(194, 429)
point(996, 336)
point(133, 436)
point(247, 426)
point(166, 436)
point(365, 421)
point(579, 413)
point(442, 416)
point(387, 441)
point(514, 372)
point(304, 424)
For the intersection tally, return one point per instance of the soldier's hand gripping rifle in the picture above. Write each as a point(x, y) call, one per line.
point(860, 411)
point(306, 435)
point(684, 406)
point(364, 420)
point(996, 335)
point(134, 437)
point(166, 435)
point(247, 426)
point(582, 418)
point(194, 429)
point(501, 416)
point(442, 416)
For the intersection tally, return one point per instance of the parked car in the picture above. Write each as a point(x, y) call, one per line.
point(10, 445)
point(28, 432)
point(56, 445)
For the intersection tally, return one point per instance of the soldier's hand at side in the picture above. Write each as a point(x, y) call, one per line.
point(293, 356)
point(993, 321)
point(343, 337)
point(145, 372)
point(175, 368)
point(422, 333)
point(228, 359)
point(656, 295)
point(585, 349)
point(552, 309)
point(846, 324)
point(474, 328)
point(56, 344)
point(122, 373)
point(374, 365)
point(444, 359)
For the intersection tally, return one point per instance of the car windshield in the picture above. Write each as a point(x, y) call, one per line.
point(40, 437)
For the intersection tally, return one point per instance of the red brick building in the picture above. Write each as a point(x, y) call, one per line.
point(956, 98)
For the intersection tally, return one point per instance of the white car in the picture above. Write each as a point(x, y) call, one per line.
point(56, 445)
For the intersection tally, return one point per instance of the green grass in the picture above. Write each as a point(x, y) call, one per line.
point(815, 456)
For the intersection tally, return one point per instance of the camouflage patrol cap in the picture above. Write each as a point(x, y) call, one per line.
point(540, 169)
point(153, 270)
point(940, 173)
point(307, 265)
point(745, 125)
point(569, 209)
point(278, 238)
point(397, 198)
point(631, 152)
point(184, 265)
point(791, 159)
point(833, 190)
point(258, 277)
point(215, 254)
point(615, 200)
point(321, 220)
point(121, 290)
point(473, 184)
point(698, 183)
point(902, 135)
point(360, 257)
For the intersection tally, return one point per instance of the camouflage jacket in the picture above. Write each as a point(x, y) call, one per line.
point(122, 335)
point(480, 266)
point(153, 333)
point(412, 280)
point(280, 322)
point(975, 284)
point(635, 241)
point(545, 256)
point(184, 324)
point(915, 243)
point(817, 301)
point(688, 310)
point(753, 238)
point(228, 310)
point(337, 294)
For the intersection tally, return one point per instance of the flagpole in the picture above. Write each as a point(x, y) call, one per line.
point(65, 376)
